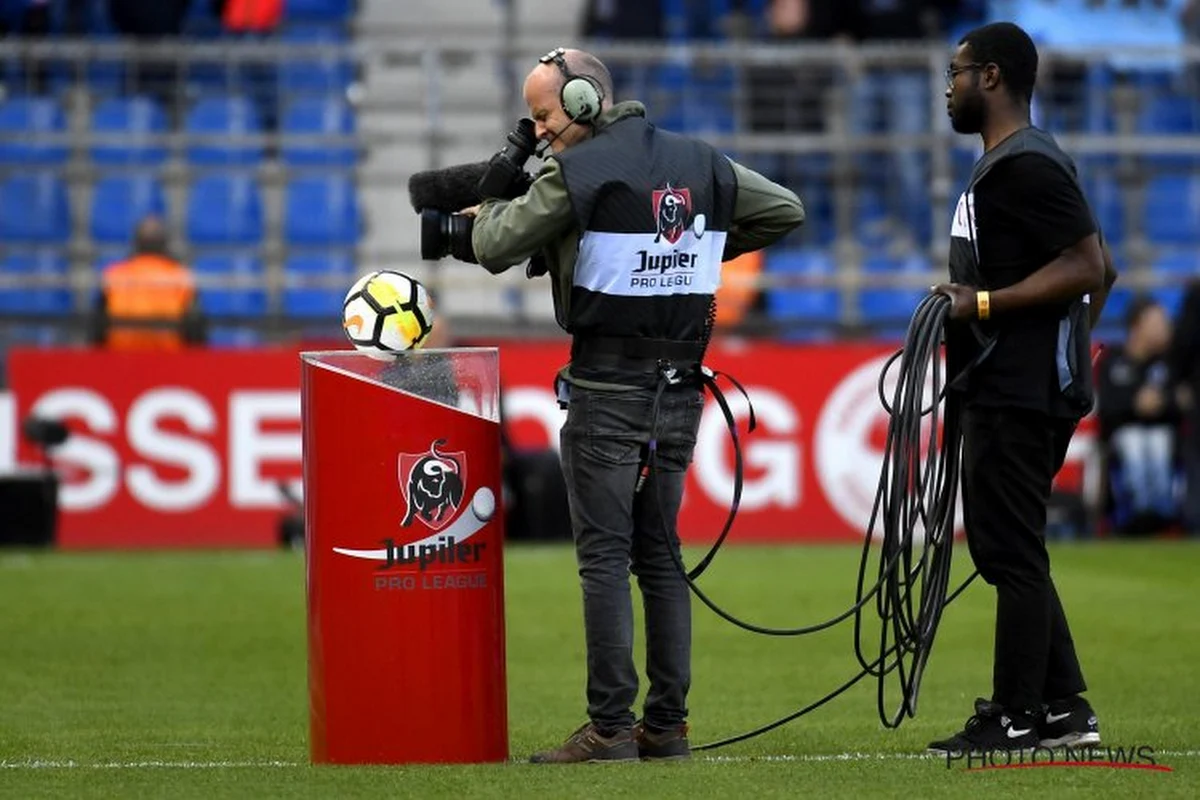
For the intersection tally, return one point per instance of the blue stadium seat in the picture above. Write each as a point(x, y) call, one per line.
point(303, 296)
point(891, 306)
point(816, 304)
point(317, 10)
point(882, 262)
point(220, 116)
point(1178, 263)
point(23, 123)
point(226, 336)
point(1107, 201)
point(135, 120)
point(321, 210)
point(310, 116)
point(247, 297)
point(1169, 113)
point(888, 307)
point(696, 100)
point(224, 209)
point(35, 266)
point(1170, 297)
point(120, 201)
point(320, 74)
point(1172, 209)
point(1117, 304)
point(33, 208)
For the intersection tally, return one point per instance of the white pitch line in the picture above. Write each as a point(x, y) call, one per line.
point(45, 764)
point(807, 758)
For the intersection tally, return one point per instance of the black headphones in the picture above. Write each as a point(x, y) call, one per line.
point(581, 95)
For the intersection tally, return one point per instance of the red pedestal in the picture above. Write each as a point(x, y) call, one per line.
point(404, 558)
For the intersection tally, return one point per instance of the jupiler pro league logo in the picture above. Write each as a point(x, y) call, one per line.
point(433, 485)
point(672, 212)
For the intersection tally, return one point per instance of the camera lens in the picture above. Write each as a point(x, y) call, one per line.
point(445, 234)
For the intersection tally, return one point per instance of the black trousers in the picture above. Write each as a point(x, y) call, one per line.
point(1010, 457)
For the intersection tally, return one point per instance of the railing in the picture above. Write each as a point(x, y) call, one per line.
point(415, 94)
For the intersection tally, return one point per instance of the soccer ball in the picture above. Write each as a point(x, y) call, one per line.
point(386, 312)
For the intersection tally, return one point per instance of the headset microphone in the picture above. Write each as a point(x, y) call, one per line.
point(545, 145)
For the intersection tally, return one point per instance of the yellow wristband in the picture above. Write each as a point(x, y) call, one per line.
point(983, 305)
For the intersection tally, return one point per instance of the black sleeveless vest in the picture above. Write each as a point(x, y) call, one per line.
point(968, 346)
point(653, 209)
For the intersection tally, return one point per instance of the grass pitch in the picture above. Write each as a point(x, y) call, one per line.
point(183, 675)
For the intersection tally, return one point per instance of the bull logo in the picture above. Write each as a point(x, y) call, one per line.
point(433, 485)
point(672, 212)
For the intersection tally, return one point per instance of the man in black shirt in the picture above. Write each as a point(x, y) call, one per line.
point(1026, 258)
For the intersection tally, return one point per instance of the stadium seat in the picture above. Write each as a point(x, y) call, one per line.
point(888, 307)
point(882, 262)
point(314, 116)
point(244, 294)
point(318, 10)
point(33, 208)
point(321, 210)
point(1178, 263)
point(802, 304)
point(1107, 202)
point(1172, 209)
point(219, 116)
point(24, 121)
point(120, 201)
point(224, 209)
point(1116, 305)
point(696, 100)
point(1169, 113)
point(226, 336)
point(327, 73)
point(35, 266)
point(133, 122)
point(1170, 297)
point(315, 284)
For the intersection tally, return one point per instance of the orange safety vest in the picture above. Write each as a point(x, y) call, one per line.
point(738, 288)
point(147, 287)
point(257, 16)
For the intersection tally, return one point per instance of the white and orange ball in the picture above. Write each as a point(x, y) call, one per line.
point(387, 312)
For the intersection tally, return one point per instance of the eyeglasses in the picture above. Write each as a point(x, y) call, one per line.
point(953, 72)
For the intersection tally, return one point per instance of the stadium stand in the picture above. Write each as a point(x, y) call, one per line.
point(287, 146)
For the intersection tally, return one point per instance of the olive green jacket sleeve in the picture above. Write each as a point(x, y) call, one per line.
point(763, 213)
point(507, 232)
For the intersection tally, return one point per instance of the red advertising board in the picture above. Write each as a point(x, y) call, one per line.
point(185, 449)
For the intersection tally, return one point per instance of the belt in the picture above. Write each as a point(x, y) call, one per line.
point(635, 351)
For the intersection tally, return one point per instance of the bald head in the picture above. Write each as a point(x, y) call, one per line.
point(543, 95)
point(150, 237)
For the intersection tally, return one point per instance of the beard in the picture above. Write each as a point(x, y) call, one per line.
point(967, 115)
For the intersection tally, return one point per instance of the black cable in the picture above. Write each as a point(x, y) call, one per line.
point(915, 499)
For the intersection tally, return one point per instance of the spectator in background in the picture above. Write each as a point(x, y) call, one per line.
point(793, 98)
point(1185, 370)
point(787, 98)
point(1138, 416)
point(148, 21)
point(901, 93)
point(624, 21)
point(149, 300)
point(26, 18)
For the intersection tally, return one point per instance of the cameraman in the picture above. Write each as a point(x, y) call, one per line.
point(632, 223)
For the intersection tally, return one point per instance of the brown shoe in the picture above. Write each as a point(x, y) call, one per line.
point(656, 745)
point(586, 744)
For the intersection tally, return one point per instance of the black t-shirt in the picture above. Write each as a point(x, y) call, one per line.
point(1027, 210)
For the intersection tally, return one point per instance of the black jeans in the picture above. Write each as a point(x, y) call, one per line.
point(1010, 457)
point(616, 530)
